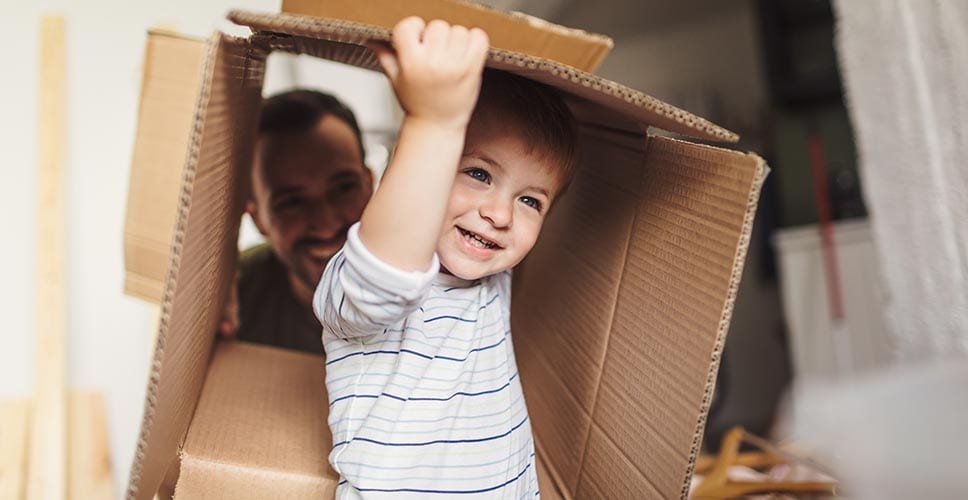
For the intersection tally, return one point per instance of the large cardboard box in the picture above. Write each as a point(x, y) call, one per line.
point(619, 314)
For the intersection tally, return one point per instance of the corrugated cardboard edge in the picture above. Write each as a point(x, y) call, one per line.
point(609, 94)
point(572, 46)
point(739, 261)
point(184, 206)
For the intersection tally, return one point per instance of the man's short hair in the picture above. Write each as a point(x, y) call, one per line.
point(537, 113)
point(299, 111)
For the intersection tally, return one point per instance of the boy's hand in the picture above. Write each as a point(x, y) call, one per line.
point(435, 69)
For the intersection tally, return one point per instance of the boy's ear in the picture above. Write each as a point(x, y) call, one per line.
point(253, 211)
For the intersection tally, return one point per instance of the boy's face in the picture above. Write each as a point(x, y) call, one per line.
point(499, 201)
point(307, 190)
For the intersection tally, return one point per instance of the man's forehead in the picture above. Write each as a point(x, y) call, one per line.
point(316, 155)
point(300, 179)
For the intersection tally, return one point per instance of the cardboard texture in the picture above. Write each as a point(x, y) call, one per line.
point(273, 397)
point(172, 76)
point(619, 314)
point(512, 31)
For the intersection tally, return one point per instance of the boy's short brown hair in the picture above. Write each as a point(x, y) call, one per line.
point(537, 113)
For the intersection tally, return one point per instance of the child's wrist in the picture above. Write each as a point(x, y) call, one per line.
point(435, 126)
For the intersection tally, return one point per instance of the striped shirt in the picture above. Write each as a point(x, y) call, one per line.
point(424, 396)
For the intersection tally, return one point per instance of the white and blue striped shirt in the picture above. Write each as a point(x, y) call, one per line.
point(424, 396)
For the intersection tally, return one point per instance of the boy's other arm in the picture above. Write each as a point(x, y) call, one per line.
point(435, 70)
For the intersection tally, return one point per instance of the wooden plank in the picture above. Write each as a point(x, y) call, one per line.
point(46, 476)
point(89, 470)
point(13, 448)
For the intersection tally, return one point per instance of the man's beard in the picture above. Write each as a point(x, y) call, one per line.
point(301, 257)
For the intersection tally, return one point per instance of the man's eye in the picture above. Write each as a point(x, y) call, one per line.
point(287, 203)
point(347, 187)
point(478, 174)
point(531, 202)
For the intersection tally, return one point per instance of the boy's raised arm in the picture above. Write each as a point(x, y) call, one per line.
point(435, 70)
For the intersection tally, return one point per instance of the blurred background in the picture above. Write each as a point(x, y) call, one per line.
point(859, 259)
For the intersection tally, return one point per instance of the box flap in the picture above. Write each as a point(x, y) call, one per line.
point(511, 31)
point(343, 41)
point(619, 372)
point(203, 252)
point(169, 90)
point(260, 429)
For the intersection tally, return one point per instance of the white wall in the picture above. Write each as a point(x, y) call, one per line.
point(108, 333)
point(710, 65)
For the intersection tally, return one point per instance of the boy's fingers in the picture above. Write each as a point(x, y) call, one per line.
point(458, 38)
point(386, 57)
point(407, 34)
point(436, 33)
point(478, 45)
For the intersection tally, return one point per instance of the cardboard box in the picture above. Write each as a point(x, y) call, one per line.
point(619, 314)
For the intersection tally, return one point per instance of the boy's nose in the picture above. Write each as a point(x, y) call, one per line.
point(498, 212)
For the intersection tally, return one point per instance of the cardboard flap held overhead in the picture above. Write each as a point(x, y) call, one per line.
point(511, 31)
point(345, 41)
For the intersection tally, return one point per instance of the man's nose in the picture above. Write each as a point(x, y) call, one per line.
point(323, 220)
point(498, 211)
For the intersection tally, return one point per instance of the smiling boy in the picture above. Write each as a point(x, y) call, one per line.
point(422, 381)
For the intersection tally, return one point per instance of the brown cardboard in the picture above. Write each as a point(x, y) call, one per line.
point(173, 71)
point(619, 313)
point(511, 31)
point(202, 260)
point(257, 424)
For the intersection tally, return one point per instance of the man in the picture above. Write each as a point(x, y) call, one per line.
point(309, 185)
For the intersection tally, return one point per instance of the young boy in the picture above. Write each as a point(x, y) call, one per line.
point(423, 387)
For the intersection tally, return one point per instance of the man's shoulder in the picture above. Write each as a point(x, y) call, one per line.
point(259, 265)
point(256, 257)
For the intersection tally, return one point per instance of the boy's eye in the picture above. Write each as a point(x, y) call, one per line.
point(531, 202)
point(478, 174)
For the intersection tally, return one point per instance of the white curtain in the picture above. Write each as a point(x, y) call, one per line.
point(905, 70)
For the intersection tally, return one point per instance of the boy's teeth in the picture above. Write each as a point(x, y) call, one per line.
point(477, 240)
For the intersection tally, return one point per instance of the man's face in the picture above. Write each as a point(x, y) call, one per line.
point(307, 190)
point(497, 205)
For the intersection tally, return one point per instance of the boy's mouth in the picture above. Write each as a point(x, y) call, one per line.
point(477, 240)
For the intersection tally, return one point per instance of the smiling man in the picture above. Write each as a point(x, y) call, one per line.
point(309, 185)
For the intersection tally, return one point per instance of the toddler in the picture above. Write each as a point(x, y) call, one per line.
point(423, 387)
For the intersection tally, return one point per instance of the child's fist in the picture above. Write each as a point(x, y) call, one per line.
point(435, 69)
